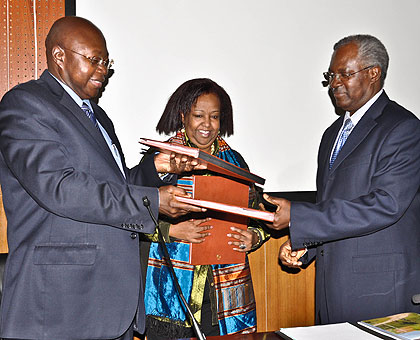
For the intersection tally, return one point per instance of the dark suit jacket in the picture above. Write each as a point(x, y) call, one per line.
point(365, 227)
point(73, 270)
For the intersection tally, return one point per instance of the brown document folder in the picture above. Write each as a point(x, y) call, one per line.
point(215, 248)
point(232, 190)
point(231, 209)
point(213, 163)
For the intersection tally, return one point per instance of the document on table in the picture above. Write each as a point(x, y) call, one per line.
point(339, 331)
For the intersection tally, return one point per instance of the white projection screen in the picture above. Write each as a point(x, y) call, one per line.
point(269, 56)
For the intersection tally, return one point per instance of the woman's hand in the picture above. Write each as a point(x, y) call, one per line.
point(245, 239)
point(190, 230)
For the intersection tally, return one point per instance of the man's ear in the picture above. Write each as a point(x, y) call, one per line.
point(375, 74)
point(58, 55)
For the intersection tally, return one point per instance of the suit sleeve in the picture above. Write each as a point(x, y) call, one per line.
point(393, 187)
point(43, 161)
point(145, 172)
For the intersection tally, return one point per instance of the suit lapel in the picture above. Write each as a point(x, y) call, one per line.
point(362, 129)
point(75, 113)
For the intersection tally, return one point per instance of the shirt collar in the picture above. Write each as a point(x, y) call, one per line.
point(360, 112)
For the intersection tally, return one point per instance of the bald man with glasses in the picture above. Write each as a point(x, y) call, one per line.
point(74, 209)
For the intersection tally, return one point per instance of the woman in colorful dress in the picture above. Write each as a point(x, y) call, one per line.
point(221, 296)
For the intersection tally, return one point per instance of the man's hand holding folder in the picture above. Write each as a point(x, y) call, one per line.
point(176, 163)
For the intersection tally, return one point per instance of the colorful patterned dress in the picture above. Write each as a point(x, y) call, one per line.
point(231, 288)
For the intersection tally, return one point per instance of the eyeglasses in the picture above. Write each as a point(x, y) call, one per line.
point(329, 76)
point(95, 61)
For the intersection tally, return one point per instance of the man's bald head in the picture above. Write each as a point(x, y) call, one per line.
point(67, 29)
point(73, 46)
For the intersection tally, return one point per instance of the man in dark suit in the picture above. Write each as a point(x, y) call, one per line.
point(73, 208)
point(364, 229)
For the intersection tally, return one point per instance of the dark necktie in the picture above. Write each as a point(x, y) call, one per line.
point(348, 125)
point(90, 114)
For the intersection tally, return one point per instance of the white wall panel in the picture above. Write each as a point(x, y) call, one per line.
point(268, 54)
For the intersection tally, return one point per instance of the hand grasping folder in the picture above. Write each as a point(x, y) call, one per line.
point(227, 199)
point(213, 163)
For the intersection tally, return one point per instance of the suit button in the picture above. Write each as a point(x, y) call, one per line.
point(322, 252)
point(133, 235)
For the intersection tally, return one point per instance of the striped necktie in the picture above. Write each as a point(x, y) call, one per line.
point(90, 114)
point(348, 125)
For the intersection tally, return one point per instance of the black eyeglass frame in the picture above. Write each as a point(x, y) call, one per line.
point(95, 61)
point(329, 76)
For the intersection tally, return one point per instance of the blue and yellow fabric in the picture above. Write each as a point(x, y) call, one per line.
point(232, 282)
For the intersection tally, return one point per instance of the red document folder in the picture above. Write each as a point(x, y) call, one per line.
point(227, 200)
point(233, 209)
point(213, 163)
point(215, 248)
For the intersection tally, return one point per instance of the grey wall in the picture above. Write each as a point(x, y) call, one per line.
point(268, 54)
